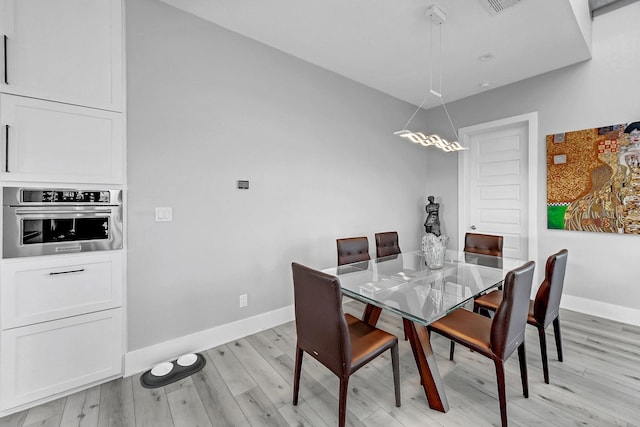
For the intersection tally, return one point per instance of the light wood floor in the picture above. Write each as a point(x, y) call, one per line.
point(248, 383)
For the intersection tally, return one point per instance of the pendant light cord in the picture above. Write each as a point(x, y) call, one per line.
point(430, 73)
point(431, 90)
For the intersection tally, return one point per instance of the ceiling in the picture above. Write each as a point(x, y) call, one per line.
point(384, 44)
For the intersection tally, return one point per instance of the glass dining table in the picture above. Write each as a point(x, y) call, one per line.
point(403, 284)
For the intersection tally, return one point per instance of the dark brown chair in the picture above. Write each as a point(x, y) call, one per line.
point(353, 249)
point(387, 244)
point(340, 342)
point(544, 310)
point(485, 244)
point(499, 337)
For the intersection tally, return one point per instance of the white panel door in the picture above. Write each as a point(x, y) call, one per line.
point(53, 142)
point(63, 50)
point(495, 181)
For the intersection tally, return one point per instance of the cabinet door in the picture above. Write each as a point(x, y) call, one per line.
point(40, 290)
point(53, 142)
point(41, 360)
point(63, 50)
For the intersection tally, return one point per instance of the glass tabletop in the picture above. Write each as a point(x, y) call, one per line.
point(404, 284)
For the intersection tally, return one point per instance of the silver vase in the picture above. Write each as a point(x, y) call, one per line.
point(434, 248)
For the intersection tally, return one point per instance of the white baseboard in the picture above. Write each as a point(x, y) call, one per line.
point(145, 358)
point(601, 309)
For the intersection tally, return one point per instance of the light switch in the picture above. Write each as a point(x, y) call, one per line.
point(164, 214)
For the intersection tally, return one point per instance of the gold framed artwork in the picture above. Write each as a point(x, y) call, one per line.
point(593, 179)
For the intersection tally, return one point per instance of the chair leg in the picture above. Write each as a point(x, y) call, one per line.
point(543, 353)
point(342, 405)
point(502, 395)
point(296, 374)
point(522, 358)
point(556, 333)
point(451, 350)
point(395, 362)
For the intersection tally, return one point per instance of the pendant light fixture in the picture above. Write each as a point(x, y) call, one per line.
point(437, 17)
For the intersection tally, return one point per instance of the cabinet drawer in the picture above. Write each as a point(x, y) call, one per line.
point(41, 360)
point(43, 290)
point(51, 142)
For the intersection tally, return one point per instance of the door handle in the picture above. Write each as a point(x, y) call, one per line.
point(473, 227)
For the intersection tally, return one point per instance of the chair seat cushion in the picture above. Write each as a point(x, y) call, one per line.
point(467, 328)
point(367, 342)
point(492, 300)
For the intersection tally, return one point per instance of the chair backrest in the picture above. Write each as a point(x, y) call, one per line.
point(387, 244)
point(352, 249)
point(321, 326)
point(546, 305)
point(510, 319)
point(486, 244)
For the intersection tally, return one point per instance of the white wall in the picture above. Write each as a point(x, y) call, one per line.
point(602, 276)
point(207, 107)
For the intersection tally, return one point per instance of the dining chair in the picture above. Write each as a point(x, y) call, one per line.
point(544, 309)
point(352, 249)
point(499, 337)
point(485, 244)
point(339, 341)
point(387, 244)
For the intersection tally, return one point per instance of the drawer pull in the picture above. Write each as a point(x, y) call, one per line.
point(66, 272)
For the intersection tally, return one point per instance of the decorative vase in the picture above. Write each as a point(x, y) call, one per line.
point(434, 249)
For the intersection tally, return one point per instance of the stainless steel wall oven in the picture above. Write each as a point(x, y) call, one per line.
point(39, 221)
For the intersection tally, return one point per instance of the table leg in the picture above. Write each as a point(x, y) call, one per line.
point(426, 362)
point(371, 314)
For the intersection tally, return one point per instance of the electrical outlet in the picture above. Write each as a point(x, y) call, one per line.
point(164, 214)
point(244, 300)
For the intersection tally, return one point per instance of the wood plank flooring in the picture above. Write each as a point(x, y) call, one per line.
point(248, 383)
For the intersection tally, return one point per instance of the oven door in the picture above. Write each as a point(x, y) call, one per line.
point(46, 230)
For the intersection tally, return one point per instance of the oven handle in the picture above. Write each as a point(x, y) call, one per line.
point(61, 211)
point(54, 273)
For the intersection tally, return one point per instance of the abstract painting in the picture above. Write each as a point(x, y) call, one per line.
point(593, 179)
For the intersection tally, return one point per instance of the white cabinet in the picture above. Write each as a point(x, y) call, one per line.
point(63, 50)
point(53, 142)
point(62, 103)
point(60, 325)
point(41, 360)
point(40, 290)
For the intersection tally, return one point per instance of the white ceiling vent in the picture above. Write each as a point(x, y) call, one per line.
point(496, 6)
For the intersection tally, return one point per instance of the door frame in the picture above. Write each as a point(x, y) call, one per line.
point(464, 135)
